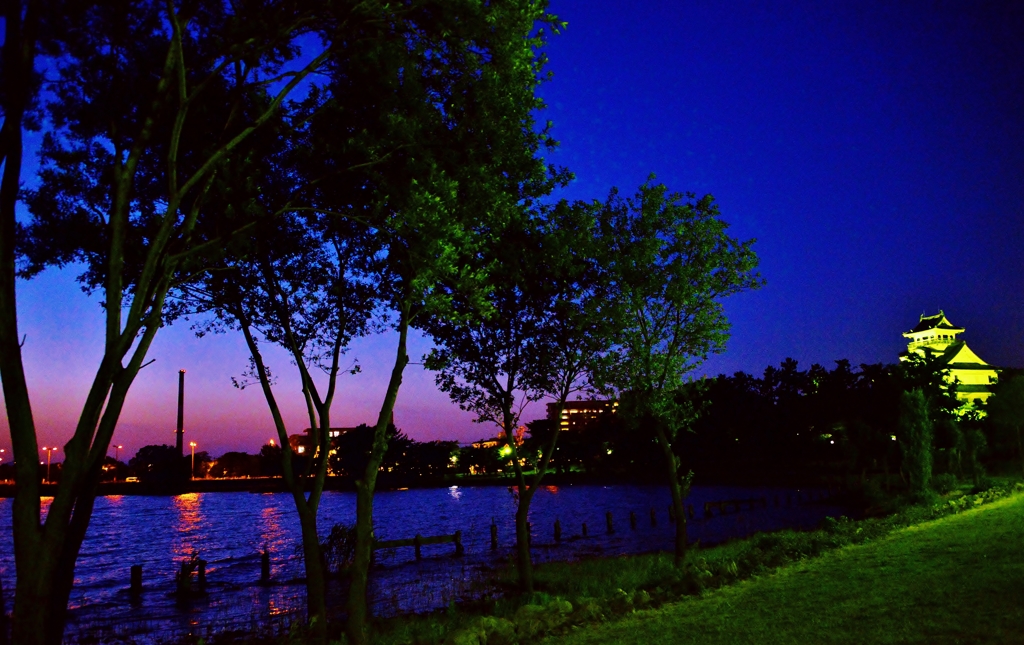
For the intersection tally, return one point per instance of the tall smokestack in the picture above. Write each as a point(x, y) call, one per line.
point(180, 442)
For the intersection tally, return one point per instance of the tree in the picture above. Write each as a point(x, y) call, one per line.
point(915, 437)
point(459, 155)
point(541, 334)
point(1005, 410)
point(149, 100)
point(671, 262)
point(298, 282)
point(419, 140)
point(157, 464)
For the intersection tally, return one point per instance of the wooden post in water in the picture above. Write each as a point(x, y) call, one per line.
point(136, 587)
point(494, 535)
point(632, 520)
point(689, 511)
point(558, 530)
point(265, 566)
point(184, 578)
point(201, 569)
point(654, 518)
point(608, 521)
point(416, 543)
point(584, 529)
point(459, 550)
point(671, 514)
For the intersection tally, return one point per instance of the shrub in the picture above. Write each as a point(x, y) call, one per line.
point(944, 483)
point(339, 547)
point(915, 431)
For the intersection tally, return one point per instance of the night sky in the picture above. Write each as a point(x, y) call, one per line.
point(875, 151)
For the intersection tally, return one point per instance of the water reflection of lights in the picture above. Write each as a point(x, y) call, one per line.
point(274, 610)
point(189, 522)
point(551, 489)
point(455, 492)
point(272, 534)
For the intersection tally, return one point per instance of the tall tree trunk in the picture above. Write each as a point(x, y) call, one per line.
point(679, 489)
point(523, 560)
point(358, 609)
point(526, 492)
point(307, 508)
point(29, 555)
point(316, 580)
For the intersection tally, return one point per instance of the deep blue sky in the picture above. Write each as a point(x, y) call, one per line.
point(874, 150)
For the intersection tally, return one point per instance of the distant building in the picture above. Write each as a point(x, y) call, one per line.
point(488, 443)
point(300, 443)
point(500, 440)
point(579, 415)
point(934, 337)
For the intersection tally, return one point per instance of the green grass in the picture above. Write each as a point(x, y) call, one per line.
point(958, 579)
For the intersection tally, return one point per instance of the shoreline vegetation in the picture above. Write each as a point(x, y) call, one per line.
point(574, 600)
point(950, 579)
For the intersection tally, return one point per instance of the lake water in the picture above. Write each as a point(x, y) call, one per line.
point(229, 530)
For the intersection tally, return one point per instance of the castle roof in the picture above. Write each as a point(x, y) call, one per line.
point(938, 321)
point(956, 356)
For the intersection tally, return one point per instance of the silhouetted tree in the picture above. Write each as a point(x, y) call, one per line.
point(672, 262)
point(270, 460)
point(540, 335)
point(1005, 410)
point(915, 437)
point(149, 98)
point(157, 464)
point(235, 464)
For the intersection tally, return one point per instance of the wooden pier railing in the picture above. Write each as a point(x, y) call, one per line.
point(421, 541)
point(735, 504)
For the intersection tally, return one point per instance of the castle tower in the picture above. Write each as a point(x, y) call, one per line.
point(935, 338)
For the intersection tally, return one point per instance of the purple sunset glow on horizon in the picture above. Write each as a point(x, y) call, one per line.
point(875, 150)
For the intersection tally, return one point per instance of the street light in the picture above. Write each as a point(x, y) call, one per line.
point(192, 444)
point(117, 459)
point(48, 452)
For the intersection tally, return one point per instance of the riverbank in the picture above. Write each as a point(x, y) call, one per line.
point(880, 580)
point(951, 580)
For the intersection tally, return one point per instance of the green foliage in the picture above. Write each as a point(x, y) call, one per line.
point(849, 597)
point(606, 587)
point(915, 437)
point(1005, 411)
point(944, 483)
point(672, 262)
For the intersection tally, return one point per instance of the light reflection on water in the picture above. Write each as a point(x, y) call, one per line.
point(229, 530)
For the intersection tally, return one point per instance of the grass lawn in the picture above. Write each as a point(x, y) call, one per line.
point(958, 579)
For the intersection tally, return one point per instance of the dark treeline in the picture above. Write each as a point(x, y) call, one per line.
point(813, 425)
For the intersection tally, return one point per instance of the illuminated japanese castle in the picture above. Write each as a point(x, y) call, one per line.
point(935, 337)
